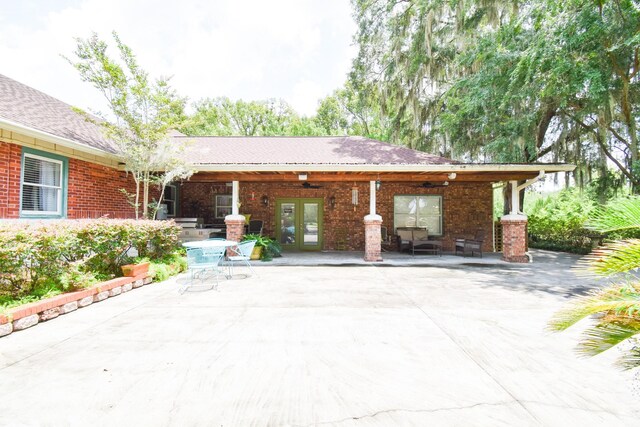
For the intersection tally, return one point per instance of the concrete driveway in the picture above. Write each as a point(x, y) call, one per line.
point(304, 346)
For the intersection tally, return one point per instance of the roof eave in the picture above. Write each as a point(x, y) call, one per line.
point(454, 167)
point(55, 139)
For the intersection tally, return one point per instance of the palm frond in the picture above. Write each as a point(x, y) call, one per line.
point(621, 214)
point(603, 336)
point(615, 257)
point(613, 299)
point(630, 358)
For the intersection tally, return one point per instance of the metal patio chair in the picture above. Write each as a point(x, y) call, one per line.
point(201, 263)
point(242, 254)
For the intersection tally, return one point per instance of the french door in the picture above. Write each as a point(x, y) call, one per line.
point(299, 223)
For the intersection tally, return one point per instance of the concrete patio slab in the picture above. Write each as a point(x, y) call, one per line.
point(303, 346)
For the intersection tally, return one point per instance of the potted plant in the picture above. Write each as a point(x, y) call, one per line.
point(132, 270)
point(265, 249)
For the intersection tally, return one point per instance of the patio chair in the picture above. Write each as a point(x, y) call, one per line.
point(241, 253)
point(470, 246)
point(201, 261)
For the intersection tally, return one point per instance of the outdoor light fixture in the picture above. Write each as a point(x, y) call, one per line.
point(332, 202)
point(265, 200)
point(452, 175)
point(302, 177)
point(378, 184)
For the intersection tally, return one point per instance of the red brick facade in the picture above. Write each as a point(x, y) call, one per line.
point(10, 161)
point(514, 239)
point(93, 190)
point(467, 207)
point(372, 243)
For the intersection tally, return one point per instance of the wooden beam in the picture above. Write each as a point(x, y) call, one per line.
point(360, 177)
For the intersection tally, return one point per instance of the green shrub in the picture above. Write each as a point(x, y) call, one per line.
point(37, 257)
point(170, 265)
point(557, 222)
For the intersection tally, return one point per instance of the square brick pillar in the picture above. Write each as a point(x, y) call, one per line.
point(235, 227)
point(372, 238)
point(514, 238)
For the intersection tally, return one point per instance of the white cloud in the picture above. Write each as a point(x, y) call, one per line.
point(291, 49)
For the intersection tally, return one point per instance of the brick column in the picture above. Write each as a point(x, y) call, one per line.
point(514, 239)
point(235, 227)
point(372, 238)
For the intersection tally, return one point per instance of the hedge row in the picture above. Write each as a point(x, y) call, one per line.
point(36, 257)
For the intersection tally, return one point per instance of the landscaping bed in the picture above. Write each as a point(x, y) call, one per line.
point(49, 268)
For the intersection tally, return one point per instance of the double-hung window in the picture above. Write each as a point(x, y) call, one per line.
point(418, 211)
point(42, 182)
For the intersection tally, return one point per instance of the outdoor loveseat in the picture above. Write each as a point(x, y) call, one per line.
point(417, 239)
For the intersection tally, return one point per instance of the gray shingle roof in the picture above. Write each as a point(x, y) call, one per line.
point(27, 106)
point(325, 150)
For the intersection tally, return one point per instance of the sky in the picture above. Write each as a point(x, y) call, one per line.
point(296, 50)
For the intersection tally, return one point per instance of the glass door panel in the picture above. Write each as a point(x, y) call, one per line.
point(299, 223)
point(310, 224)
point(287, 223)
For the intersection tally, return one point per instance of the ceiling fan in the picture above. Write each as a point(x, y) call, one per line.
point(428, 184)
point(309, 185)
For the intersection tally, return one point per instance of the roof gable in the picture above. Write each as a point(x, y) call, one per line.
point(29, 107)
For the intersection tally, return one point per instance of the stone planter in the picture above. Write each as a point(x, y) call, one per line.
point(132, 270)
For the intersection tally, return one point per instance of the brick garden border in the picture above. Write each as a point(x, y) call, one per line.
point(31, 314)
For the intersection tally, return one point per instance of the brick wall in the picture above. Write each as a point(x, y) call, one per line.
point(514, 239)
point(93, 190)
point(197, 200)
point(10, 160)
point(467, 207)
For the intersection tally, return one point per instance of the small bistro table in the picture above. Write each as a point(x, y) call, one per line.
point(210, 244)
point(213, 243)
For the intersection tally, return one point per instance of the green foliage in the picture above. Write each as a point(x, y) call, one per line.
point(170, 265)
point(145, 111)
point(557, 222)
point(616, 308)
point(506, 82)
point(223, 117)
point(271, 247)
point(37, 258)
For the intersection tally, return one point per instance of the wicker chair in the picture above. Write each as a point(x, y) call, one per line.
point(470, 246)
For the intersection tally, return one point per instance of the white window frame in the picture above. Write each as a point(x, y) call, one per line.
point(416, 196)
point(57, 212)
point(229, 206)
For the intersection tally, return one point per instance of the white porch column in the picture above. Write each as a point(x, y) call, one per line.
point(372, 197)
point(372, 224)
point(235, 221)
point(235, 197)
point(515, 198)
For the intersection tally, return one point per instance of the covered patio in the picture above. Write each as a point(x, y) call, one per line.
point(338, 193)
